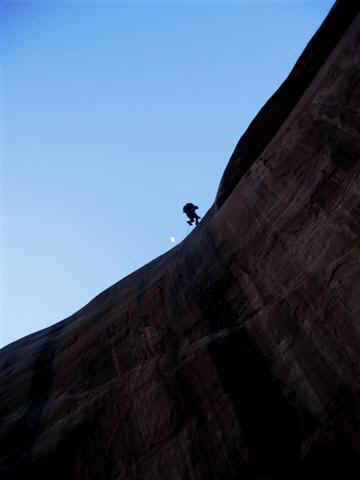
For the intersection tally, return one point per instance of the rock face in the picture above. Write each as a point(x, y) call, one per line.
point(236, 355)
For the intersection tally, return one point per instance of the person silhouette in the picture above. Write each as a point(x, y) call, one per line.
point(189, 210)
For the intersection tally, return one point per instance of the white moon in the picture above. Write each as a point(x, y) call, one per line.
point(172, 239)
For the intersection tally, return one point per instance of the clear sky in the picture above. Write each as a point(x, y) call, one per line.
point(113, 115)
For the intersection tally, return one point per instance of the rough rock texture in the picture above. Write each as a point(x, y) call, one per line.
point(236, 355)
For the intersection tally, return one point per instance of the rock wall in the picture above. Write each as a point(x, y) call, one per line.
point(236, 354)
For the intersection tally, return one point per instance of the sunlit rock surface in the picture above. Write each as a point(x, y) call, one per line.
point(236, 355)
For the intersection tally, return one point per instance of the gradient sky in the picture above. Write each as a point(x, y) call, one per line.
point(113, 115)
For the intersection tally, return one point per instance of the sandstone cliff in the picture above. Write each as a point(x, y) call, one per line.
point(236, 355)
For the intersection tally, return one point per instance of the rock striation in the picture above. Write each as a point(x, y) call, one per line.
point(237, 353)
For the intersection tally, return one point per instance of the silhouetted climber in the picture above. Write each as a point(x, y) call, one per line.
point(189, 210)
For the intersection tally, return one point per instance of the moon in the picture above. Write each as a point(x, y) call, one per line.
point(172, 239)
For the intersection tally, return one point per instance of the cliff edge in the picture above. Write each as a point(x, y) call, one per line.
point(237, 353)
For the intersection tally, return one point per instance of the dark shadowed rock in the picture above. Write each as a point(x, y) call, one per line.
point(237, 353)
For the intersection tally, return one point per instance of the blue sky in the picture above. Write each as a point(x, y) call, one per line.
point(113, 115)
